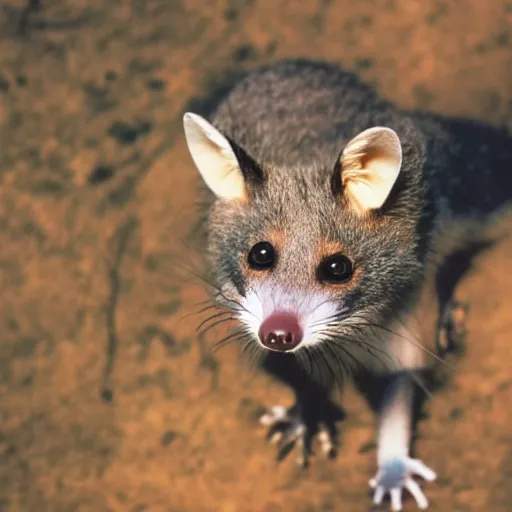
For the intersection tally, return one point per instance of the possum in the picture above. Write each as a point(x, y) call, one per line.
point(332, 214)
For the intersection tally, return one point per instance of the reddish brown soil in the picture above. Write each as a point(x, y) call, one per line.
point(97, 200)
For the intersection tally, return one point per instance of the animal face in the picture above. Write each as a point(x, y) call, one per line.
point(304, 256)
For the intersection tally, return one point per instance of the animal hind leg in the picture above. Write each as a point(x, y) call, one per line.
point(452, 313)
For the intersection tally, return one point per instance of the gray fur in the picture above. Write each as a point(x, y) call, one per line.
point(289, 123)
point(294, 119)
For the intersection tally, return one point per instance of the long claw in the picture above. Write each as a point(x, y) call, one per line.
point(285, 449)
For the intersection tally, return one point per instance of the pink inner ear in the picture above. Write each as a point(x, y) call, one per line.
point(370, 165)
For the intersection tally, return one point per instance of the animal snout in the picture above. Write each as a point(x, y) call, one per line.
point(281, 332)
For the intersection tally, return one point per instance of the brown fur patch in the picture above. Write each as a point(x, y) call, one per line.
point(327, 248)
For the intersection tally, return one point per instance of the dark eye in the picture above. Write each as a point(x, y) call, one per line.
point(262, 256)
point(335, 269)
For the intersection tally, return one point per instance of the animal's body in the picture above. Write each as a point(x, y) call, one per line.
point(331, 212)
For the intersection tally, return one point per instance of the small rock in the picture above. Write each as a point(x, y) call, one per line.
point(100, 174)
point(168, 438)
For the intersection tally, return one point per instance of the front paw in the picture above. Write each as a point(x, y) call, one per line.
point(395, 475)
point(289, 429)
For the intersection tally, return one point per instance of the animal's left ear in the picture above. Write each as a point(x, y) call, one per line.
point(370, 164)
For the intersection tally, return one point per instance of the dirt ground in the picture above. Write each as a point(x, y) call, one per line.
point(109, 402)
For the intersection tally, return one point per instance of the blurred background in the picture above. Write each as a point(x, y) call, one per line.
point(109, 401)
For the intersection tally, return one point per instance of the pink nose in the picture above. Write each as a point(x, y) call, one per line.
point(281, 331)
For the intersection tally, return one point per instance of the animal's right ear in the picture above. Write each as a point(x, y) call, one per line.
point(370, 164)
point(214, 157)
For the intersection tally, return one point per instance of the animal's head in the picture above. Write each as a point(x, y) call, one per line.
point(308, 256)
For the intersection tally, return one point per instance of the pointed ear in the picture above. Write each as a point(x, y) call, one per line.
point(214, 157)
point(370, 164)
